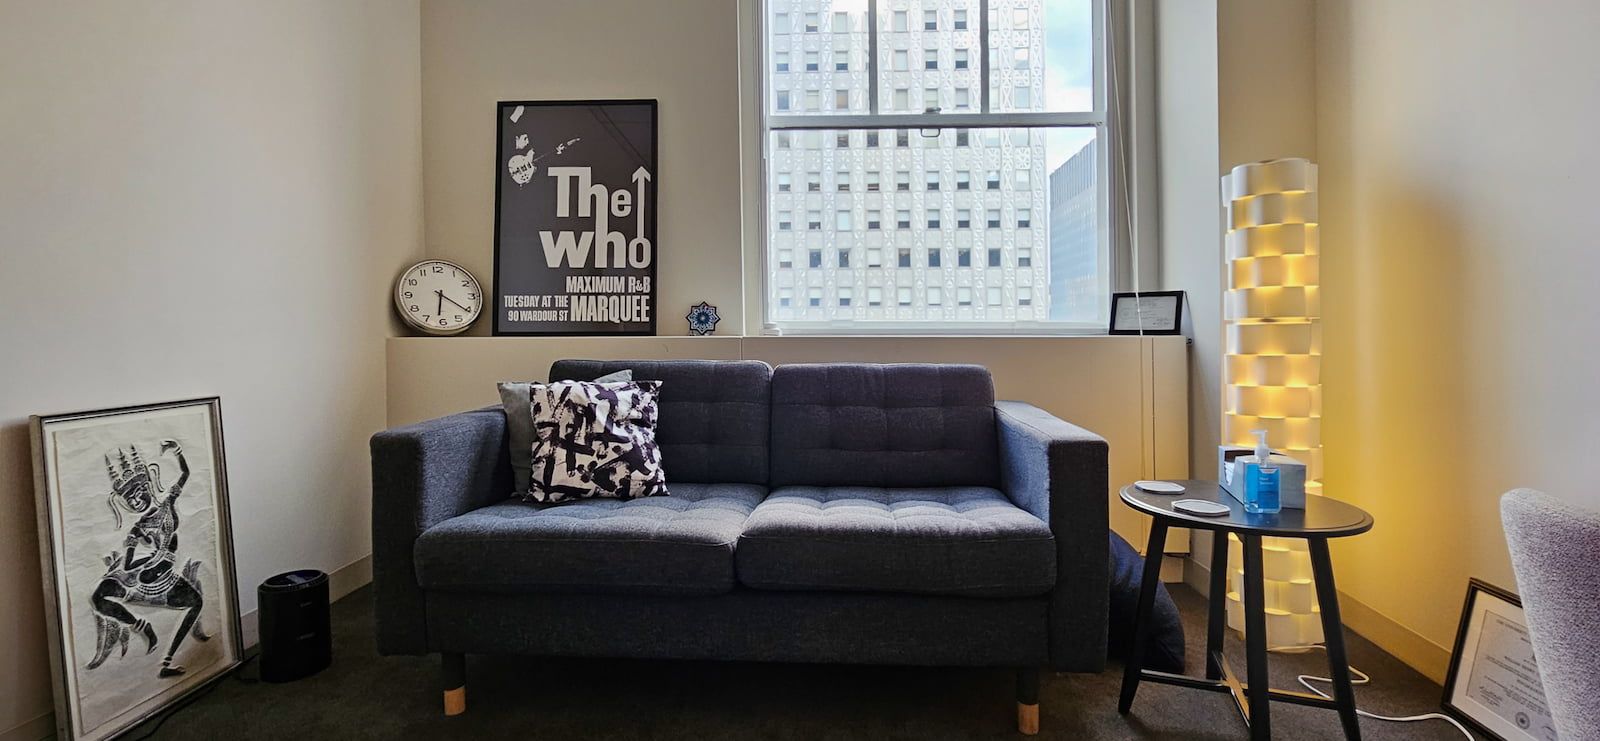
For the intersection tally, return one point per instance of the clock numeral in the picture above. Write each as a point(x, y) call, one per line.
point(472, 297)
point(414, 308)
point(466, 284)
point(438, 269)
point(459, 319)
point(444, 323)
point(408, 294)
point(411, 281)
point(425, 317)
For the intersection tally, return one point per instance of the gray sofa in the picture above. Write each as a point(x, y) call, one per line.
point(841, 513)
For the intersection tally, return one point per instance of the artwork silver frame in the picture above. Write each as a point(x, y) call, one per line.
point(160, 622)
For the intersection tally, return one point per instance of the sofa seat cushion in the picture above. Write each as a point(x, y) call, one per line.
point(968, 540)
point(680, 544)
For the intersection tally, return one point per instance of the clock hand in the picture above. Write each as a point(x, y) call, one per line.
point(441, 303)
point(453, 301)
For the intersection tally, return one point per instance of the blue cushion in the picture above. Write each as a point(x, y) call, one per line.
point(714, 413)
point(1164, 651)
point(968, 541)
point(674, 545)
point(904, 425)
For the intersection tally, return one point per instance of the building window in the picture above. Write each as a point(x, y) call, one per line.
point(1003, 114)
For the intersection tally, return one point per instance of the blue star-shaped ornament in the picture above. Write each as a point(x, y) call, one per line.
point(703, 318)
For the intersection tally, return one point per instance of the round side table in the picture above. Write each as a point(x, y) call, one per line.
point(1322, 519)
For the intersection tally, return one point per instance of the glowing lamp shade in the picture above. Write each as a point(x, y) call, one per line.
point(1271, 374)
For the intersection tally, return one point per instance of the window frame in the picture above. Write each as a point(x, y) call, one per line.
point(1106, 124)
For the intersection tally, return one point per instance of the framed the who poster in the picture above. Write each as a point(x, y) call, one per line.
point(137, 553)
point(575, 218)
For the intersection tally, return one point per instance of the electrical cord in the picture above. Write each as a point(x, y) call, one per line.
point(1363, 678)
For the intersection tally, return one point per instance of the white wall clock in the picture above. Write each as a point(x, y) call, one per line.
point(438, 297)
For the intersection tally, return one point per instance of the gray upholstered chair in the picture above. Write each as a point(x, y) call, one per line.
point(1555, 551)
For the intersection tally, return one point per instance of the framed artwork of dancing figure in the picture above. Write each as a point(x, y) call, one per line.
point(137, 553)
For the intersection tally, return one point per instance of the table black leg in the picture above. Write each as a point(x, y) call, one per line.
point(1255, 640)
point(1333, 636)
point(1217, 620)
point(1141, 623)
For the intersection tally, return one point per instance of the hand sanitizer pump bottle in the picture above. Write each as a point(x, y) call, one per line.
point(1261, 483)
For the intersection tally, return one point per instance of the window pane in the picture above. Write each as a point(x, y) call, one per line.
point(917, 40)
point(1041, 55)
point(817, 59)
point(973, 248)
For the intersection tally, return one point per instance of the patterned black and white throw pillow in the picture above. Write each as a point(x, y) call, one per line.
point(594, 440)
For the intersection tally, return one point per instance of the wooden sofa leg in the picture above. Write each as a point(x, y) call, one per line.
point(1028, 701)
point(455, 683)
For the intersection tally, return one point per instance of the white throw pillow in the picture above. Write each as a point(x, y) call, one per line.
point(594, 440)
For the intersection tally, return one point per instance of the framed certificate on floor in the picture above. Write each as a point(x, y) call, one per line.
point(1493, 683)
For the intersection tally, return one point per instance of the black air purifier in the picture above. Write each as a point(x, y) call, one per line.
point(296, 641)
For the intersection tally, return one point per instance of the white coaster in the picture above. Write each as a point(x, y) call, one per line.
point(1159, 487)
point(1200, 507)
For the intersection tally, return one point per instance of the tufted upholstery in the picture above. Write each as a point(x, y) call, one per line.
point(713, 422)
point(677, 544)
point(883, 425)
point(969, 541)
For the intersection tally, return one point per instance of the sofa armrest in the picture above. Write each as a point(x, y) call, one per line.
point(423, 474)
point(1060, 473)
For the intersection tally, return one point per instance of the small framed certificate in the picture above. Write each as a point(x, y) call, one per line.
point(1493, 684)
point(1147, 312)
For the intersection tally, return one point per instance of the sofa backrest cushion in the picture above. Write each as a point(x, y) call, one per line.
point(713, 423)
point(883, 425)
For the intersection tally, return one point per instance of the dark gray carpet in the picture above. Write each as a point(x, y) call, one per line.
point(366, 696)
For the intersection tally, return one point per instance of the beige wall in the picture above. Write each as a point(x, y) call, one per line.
point(1458, 158)
point(199, 198)
point(683, 53)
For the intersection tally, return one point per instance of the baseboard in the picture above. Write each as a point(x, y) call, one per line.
point(39, 728)
point(341, 581)
point(1405, 644)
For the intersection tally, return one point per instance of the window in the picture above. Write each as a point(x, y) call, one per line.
point(959, 96)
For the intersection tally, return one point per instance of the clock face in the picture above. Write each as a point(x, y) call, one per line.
point(438, 297)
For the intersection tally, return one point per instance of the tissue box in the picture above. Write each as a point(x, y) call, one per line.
point(1291, 475)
